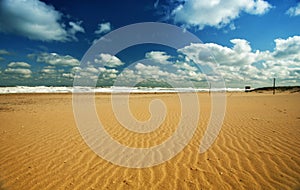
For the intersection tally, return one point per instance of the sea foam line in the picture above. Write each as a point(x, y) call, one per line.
point(113, 89)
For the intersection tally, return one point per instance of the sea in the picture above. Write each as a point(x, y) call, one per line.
point(112, 89)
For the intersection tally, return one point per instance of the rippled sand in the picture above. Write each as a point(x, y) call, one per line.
point(258, 146)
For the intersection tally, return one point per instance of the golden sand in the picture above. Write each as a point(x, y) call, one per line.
point(258, 146)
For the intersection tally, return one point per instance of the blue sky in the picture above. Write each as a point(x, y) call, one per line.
point(252, 41)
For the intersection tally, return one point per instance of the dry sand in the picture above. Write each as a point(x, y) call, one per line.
point(257, 148)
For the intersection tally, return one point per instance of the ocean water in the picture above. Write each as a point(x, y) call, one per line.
point(113, 89)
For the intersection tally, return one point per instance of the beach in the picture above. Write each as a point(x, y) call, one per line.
point(258, 146)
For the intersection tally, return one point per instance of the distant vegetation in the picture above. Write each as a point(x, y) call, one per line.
point(291, 89)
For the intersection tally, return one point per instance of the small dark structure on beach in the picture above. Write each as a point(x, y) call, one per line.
point(247, 88)
point(274, 86)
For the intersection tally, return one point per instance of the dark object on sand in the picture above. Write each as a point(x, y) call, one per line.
point(247, 88)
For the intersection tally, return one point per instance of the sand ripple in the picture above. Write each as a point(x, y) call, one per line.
point(257, 148)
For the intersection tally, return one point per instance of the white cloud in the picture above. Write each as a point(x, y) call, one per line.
point(216, 13)
point(150, 71)
point(35, 20)
point(294, 11)
point(51, 73)
point(288, 48)
point(241, 45)
point(4, 52)
point(103, 28)
point(68, 75)
point(92, 72)
point(232, 26)
point(107, 74)
point(257, 7)
point(48, 71)
point(75, 28)
point(108, 60)
point(209, 53)
point(141, 72)
point(240, 65)
point(19, 64)
point(21, 72)
point(18, 69)
point(178, 73)
point(75, 69)
point(185, 66)
point(57, 60)
point(158, 56)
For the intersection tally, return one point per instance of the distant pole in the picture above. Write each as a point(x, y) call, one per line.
point(274, 85)
point(209, 88)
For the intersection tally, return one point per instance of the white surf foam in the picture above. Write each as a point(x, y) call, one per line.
point(113, 89)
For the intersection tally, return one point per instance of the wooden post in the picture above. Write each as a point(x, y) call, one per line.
point(209, 89)
point(274, 85)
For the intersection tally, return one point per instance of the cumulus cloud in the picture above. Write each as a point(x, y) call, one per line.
point(288, 48)
point(94, 73)
point(143, 73)
point(107, 74)
point(241, 45)
point(108, 60)
point(209, 53)
point(18, 70)
point(185, 66)
point(19, 64)
point(48, 71)
point(215, 13)
point(294, 11)
point(103, 28)
point(150, 71)
point(21, 72)
point(3, 52)
point(51, 73)
point(75, 28)
point(158, 56)
point(57, 60)
point(68, 75)
point(239, 63)
point(149, 74)
point(35, 20)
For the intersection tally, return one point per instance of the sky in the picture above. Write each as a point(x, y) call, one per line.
point(250, 42)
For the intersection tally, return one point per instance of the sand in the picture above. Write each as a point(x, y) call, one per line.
point(258, 146)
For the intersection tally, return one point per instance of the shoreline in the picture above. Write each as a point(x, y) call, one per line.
point(264, 92)
point(135, 90)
